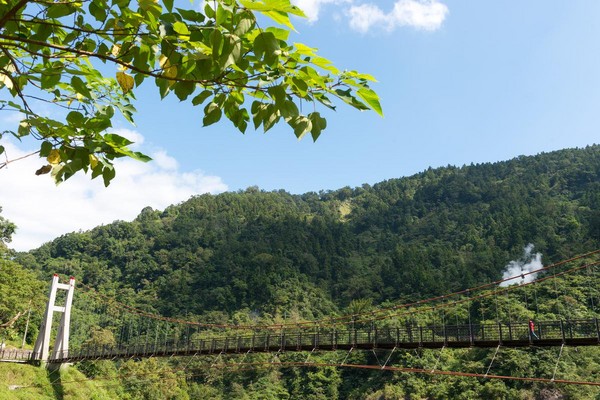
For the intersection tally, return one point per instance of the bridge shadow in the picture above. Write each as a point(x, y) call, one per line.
point(53, 373)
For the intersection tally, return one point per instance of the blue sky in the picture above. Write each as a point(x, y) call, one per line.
point(494, 81)
point(460, 82)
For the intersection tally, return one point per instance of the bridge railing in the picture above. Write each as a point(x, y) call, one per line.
point(330, 338)
point(15, 355)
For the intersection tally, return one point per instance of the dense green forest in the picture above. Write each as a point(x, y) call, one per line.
point(274, 256)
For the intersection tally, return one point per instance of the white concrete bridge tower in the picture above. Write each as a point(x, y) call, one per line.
point(41, 350)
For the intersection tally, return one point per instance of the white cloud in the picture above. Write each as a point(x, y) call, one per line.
point(165, 161)
point(518, 268)
point(312, 8)
point(420, 14)
point(42, 211)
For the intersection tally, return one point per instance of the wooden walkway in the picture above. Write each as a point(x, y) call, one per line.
point(549, 333)
point(15, 355)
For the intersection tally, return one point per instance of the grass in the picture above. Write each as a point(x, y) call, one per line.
point(35, 383)
point(32, 381)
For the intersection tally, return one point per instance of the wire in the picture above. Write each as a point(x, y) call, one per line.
point(254, 365)
point(339, 320)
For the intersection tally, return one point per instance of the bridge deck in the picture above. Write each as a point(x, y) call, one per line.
point(15, 355)
point(549, 333)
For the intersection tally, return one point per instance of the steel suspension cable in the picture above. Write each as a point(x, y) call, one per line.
point(491, 293)
point(338, 320)
point(255, 365)
point(371, 317)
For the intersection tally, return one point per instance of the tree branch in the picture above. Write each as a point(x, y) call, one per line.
point(11, 322)
point(110, 32)
point(4, 164)
point(15, 82)
point(13, 40)
point(12, 12)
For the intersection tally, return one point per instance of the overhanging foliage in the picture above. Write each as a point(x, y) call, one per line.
point(219, 58)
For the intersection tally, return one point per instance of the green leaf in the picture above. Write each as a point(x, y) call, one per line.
point(281, 18)
point(75, 119)
point(117, 140)
point(163, 87)
point(50, 78)
point(108, 173)
point(212, 114)
point(45, 148)
point(277, 10)
point(238, 96)
point(96, 171)
point(270, 116)
point(257, 110)
point(304, 49)
point(80, 87)
point(222, 15)
point(97, 11)
point(318, 124)
point(245, 24)
point(136, 155)
point(280, 34)
point(216, 41)
point(59, 10)
point(223, 49)
point(199, 99)
point(277, 93)
point(24, 129)
point(288, 109)
point(371, 98)
point(321, 98)
point(181, 28)
point(300, 85)
point(208, 10)
point(301, 126)
point(348, 98)
point(240, 119)
point(232, 52)
point(325, 64)
point(361, 76)
point(183, 89)
point(191, 15)
point(124, 151)
point(266, 47)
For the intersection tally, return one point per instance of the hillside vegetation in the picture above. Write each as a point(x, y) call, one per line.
point(275, 256)
point(431, 233)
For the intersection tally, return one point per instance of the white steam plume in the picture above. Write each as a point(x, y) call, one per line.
point(529, 262)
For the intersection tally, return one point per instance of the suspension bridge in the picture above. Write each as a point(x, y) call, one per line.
point(425, 324)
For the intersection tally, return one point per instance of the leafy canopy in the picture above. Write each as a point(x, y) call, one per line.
point(220, 59)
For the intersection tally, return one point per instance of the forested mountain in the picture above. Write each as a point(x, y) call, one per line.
point(273, 256)
point(436, 231)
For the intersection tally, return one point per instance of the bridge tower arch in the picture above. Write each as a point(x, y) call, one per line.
point(41, 350)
